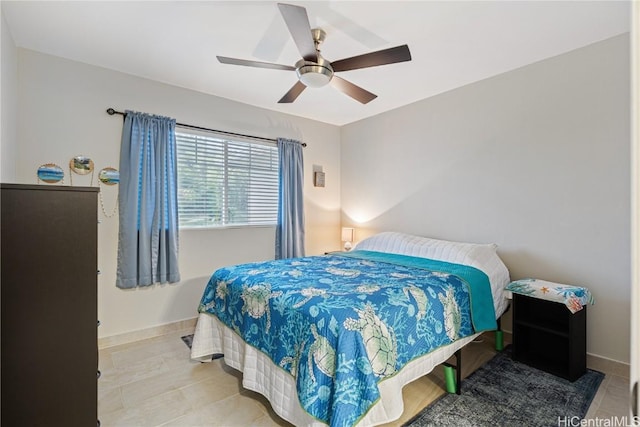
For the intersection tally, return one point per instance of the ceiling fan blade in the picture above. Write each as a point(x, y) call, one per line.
point(356, 92)
point(373, 59)
point(298, 22)
point(293, 93)
point(258, 64)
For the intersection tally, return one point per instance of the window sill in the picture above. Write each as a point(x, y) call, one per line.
point(224, 227)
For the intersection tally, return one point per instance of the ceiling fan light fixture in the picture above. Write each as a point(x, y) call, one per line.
point(314, 75)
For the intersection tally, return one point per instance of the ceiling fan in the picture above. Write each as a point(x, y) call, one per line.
point(315, 71)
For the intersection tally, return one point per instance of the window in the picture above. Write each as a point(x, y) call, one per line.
point(224, 182)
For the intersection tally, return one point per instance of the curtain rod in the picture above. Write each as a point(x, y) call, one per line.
point(111, 112)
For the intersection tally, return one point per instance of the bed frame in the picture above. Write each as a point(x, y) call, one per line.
point(454, 384)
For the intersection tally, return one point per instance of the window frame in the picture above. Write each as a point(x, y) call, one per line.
point(226, 142)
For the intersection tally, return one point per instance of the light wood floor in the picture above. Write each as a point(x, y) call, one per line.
point(153, 383)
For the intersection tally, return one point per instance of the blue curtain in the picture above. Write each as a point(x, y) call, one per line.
point(148, 235)
point(290, 228)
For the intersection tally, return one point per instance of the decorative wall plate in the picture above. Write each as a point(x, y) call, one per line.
point(109, 176)
point(50, 173)
point(81, 165)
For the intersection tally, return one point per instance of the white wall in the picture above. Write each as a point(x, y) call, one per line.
point(536, 160)
point(9, 107)
point(62, 114)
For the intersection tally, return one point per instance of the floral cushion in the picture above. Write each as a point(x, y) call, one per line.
point(574, 297)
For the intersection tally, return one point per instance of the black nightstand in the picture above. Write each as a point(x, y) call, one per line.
point(547, 336)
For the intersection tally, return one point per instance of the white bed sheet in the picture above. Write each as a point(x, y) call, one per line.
point(261, 375)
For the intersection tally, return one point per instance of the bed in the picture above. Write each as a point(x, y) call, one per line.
point(331, 340)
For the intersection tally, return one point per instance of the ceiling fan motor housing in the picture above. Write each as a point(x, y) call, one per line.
point(314, 74)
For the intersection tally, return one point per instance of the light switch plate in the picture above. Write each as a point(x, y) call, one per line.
point(318, 179)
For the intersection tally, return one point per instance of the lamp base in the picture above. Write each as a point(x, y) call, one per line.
point(347, 246)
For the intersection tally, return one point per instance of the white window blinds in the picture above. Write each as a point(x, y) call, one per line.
point(224, 182)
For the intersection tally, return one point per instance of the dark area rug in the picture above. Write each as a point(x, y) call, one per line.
point(188, 340)
point(507, 393)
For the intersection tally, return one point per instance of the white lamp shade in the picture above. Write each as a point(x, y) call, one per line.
point(347, 234)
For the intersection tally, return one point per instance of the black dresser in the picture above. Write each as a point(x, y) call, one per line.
point(48, 305)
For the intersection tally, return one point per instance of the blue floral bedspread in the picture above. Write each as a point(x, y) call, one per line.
point(340, 324)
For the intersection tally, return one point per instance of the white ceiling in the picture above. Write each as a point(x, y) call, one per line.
point(452, 43)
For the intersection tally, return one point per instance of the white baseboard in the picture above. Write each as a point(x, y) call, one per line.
point(608, 366)
point(142, 334)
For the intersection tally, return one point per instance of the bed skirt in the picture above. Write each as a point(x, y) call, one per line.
point(261, 375)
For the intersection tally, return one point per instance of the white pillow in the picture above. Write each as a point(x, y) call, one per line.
point(425, 247)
